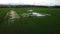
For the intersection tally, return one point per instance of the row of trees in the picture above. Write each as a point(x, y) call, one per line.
point(20, 6)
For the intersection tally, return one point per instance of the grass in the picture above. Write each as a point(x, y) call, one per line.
point(45, 25)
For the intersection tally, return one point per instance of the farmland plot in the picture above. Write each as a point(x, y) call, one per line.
point(28, 25)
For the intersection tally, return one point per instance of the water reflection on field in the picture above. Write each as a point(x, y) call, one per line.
point(12, 16)
point(34, 14)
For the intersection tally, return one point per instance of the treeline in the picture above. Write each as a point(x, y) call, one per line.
point(21, 6)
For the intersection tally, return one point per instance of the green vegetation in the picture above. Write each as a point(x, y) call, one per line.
point(44, 25)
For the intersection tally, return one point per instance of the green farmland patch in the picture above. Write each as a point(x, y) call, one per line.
point(29, 25)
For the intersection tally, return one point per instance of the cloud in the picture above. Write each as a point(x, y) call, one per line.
point(31, 2)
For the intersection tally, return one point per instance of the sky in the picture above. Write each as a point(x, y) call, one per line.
point(31, 2)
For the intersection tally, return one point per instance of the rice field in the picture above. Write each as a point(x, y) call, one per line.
point(11, 24)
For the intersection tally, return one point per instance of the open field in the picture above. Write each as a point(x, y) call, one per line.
point(27, 25)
